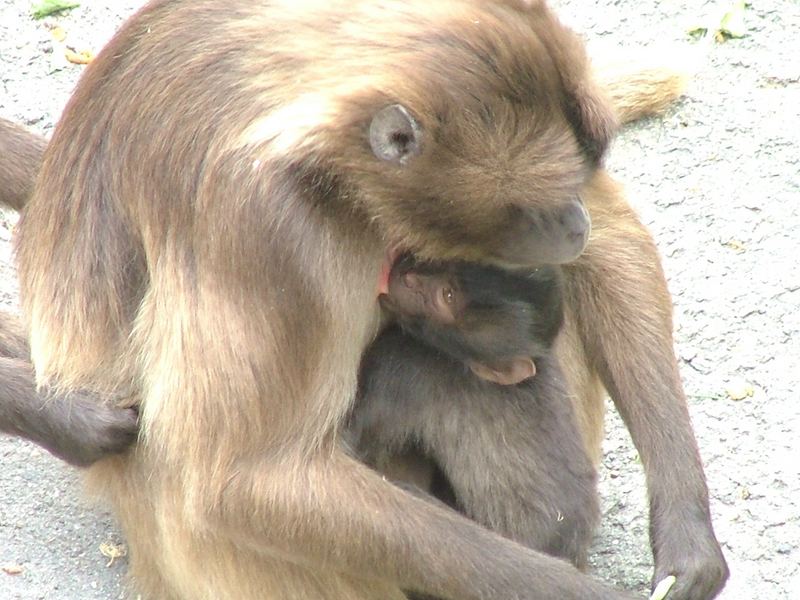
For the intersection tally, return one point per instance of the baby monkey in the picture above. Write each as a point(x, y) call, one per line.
point(464, 398)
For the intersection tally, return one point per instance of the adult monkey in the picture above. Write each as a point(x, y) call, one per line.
point(221, 255)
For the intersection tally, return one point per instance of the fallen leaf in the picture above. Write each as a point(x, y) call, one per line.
point(112, 551)
point(84, 57)
point(739, 389)
point(697, 31)
point(59, 33)
point(735, 245)
point(732, 24)
point(46, 8)
point(12, 569)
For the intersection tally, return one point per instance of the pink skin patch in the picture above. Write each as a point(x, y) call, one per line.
point(386, 269)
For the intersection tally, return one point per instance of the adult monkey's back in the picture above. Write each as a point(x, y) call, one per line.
point(209, 229)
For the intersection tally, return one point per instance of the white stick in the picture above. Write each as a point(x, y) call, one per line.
point(663, 588)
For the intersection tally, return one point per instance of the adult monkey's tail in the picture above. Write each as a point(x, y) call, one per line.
point(641, 88)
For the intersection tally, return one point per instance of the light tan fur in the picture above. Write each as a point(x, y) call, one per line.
point(640, 89)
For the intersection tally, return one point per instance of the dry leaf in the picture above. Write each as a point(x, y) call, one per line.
point(112, 551)
point(12, 569)
point(732, 24)
point(59, 33)
point(739, 389)
point(84, 57)
point(735, 245)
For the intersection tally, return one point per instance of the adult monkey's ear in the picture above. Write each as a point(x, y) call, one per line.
point(586, 106)
point(395, 135)
point(508, 372)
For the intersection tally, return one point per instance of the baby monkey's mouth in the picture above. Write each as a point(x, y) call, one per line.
point(389, 260)
point(396, 265)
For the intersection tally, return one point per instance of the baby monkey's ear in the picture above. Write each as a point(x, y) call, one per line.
point(507, 372)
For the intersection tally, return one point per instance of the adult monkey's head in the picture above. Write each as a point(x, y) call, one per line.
point(477, 135)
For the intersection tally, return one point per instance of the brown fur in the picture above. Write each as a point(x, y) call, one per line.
point(208, 228)
point(20, 157)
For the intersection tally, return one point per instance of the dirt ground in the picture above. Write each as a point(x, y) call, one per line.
point(718, 183)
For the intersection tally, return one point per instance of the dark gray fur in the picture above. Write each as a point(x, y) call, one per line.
point(78, 427)
point(510, 457)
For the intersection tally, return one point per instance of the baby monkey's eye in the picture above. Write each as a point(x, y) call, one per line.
point(445, 304)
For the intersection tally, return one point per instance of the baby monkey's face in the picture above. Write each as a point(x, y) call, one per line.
point(428, 291)
point(492, 320)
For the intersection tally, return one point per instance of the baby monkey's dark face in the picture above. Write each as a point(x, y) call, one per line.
point(495, 321)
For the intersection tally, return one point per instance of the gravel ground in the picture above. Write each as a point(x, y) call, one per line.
point(717, 182)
